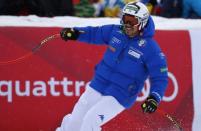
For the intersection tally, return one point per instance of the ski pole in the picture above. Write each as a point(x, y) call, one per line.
point(171, 119)
point(35, 49)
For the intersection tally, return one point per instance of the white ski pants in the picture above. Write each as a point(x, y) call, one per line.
point(90, 112)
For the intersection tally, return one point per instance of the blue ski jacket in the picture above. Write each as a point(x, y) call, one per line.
point(127, 62)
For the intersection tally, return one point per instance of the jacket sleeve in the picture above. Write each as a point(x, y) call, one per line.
point(95, 35)
point(158, 72)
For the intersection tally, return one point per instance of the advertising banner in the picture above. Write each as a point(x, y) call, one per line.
point(39, 90)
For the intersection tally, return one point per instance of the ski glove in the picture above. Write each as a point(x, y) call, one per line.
point(150, 105)
point(69, 34)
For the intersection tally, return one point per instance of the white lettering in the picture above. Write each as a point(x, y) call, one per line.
point(65, 84)
point(8, 92)
point(26, 91)
point(133, 53)
point(175, 86)
point(52, 84)
point(39, 88)
point(70, 88)
point(78, 85)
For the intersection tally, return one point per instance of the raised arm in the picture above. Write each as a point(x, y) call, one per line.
point(92, 35)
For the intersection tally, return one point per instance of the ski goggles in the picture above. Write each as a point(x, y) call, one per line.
point(130, 20)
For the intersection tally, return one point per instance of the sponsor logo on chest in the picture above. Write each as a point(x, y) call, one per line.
point(134, 53)
point(142, 43)
point(116, 40)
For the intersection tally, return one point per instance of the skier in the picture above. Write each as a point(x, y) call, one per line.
point(131, 57)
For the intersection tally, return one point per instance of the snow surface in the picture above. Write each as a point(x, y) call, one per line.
point(67, 21)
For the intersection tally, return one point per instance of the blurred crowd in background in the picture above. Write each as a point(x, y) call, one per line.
point(98, 8)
